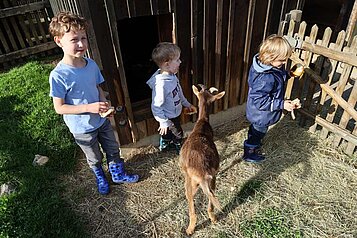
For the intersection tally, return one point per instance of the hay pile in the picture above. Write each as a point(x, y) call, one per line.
point(303, 178)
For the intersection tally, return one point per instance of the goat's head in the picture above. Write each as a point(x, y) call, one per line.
point(207, 96)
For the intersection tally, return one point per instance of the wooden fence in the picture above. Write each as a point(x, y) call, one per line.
point(328, 88)
point(24, 31)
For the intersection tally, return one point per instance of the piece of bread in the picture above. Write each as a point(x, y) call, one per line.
point(108, 112)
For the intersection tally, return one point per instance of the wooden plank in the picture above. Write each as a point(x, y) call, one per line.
point(345, 134)
point(121, 9)
point(142, 129)
point(25, 8)
point(347, 58)
point(28, 51)
point(230, 27)
point(307, 60)
point(40, 27)
point(120, 89)
point(345, 118)
point(34, 35)
point(14, 26)
point(9, 34)
point(209, 42)
point(221, 48)
point(142, 8)
point(333, 65)
point(131, 8)
point(351, 145)
point(317, 69)
point(152, 126)
point(340, 89)
point(290, 83)
point(197, 44)
point(164, 6)
point(351, 26)
point(238, 62)
point(4, 41)
point(183, 34)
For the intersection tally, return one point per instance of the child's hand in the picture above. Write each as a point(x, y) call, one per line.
point(162, 130)
point(98, 107)
point(191, 110)
point(288, 105)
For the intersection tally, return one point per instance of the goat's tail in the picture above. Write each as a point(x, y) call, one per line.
point(206, 188)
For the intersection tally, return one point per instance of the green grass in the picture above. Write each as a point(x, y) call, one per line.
point(270, 222)
point(29, 126)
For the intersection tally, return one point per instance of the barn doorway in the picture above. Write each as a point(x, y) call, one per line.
point(138, 36)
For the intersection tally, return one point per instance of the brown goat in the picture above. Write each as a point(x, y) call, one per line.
point(199, 159)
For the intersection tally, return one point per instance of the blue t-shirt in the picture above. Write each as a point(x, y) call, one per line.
point(78, 86)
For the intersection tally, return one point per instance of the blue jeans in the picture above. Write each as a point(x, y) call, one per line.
point(90, 144)
point(175, 132)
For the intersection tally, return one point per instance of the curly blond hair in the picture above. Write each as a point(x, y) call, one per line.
point(64, 22)
point(273, 48)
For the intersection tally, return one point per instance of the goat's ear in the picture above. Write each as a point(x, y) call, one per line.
point(195, 90)
point(219, 95)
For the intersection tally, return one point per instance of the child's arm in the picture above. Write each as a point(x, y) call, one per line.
point(62, 108)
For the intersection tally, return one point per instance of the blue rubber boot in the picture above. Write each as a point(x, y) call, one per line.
point(119, 175)
point(252, 153)
point(164, 144)
point(102, 182)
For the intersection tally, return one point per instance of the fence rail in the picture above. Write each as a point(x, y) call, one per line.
point(328, 88)
point(24, 31)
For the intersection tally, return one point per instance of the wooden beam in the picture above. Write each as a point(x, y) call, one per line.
point(28, 51)
point(328, 89)
point(343, 133)
point(19, 10)
point(344, 57)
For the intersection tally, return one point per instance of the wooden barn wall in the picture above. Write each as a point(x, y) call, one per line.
point(218, 40)
point(24, 31)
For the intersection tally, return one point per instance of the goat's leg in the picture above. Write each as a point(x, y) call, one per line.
point(210, 207)
point(191, 189)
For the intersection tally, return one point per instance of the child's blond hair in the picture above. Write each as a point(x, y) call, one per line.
point(65, 22)
point(164, 52)
point(273, 48)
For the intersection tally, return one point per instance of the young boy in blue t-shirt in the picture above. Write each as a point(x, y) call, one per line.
point(74, 87)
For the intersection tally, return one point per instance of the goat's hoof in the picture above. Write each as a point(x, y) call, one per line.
point(189, 231)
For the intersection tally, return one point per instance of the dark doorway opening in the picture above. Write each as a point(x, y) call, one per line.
point(138, 36)
point(328, 13)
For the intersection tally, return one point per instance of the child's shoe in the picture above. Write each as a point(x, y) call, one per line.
point(177, 147)
point(252, 153)
point(164, 144)
point(119, 175)
point(102, 182)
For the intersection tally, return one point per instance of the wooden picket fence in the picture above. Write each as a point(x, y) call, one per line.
point(328, 88)
point(24, 31)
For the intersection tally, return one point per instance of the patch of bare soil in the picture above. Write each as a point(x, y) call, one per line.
point(303, 176)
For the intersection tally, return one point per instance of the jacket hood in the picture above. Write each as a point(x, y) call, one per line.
point(259, 66)
point(164, 78)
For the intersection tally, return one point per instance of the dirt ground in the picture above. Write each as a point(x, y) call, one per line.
point(311, 183)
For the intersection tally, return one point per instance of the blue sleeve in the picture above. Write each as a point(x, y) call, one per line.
point(57, 86)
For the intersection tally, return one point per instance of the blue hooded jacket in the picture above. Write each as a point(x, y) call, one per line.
point(265, 102)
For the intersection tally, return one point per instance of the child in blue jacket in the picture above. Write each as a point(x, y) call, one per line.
point(266, 102)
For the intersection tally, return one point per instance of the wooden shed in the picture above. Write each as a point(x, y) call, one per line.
point(217, 39)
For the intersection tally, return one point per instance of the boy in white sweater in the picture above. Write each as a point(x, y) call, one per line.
point(167, 95)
